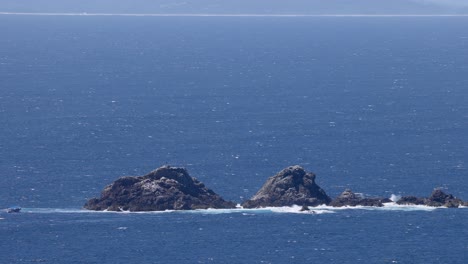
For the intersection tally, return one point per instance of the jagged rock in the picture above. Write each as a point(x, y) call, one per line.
point(437, 199)
point(291, 186)
point(410, 200)
point(166, 188)
point(348, 198)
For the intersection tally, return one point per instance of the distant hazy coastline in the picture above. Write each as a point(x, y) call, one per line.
point(228, 15)
point(266, 7)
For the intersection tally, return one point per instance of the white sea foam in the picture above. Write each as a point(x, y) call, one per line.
point(401, 207)
point(322, 209)
point(297, 210)
point(386, 207)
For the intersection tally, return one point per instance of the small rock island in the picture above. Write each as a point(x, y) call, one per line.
point(166, 188)
point(291, 186)
point(172, 188)
point(437, 199)
point(295, 186)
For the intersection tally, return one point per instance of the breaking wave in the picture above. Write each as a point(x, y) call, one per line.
point(395, 198)
point(323, 209)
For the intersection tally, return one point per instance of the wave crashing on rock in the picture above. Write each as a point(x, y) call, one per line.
point(172, 188)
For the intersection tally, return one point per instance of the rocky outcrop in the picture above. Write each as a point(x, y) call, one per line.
point(172, 188)
point(291, 186)
point(348, 198)
point(166, 188)
point(437, 199)
point(411, 200)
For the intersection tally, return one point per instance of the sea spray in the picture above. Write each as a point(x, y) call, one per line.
point(395, 198)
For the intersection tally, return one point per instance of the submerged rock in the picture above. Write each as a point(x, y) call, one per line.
point(166, 188)
point(437, 199)
point(348, 198)
point(291, 186)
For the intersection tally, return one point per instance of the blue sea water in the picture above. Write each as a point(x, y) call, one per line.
point(378, 105)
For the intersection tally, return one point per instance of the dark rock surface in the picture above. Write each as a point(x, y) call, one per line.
point(171, 188)
point(437, 199)
point(291, 186)
point(166, 188)
point(348, 198)
point(411, 200)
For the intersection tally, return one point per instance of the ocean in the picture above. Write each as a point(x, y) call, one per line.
point(375, 104)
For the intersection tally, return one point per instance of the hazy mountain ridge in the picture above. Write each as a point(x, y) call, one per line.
point(241, 6)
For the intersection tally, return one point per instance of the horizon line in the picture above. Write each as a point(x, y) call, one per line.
point(222, 15)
